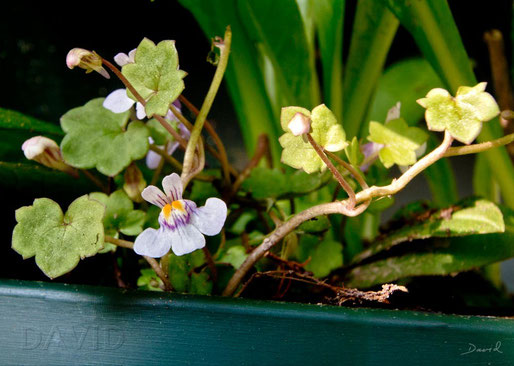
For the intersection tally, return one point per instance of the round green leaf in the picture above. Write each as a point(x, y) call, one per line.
point(120, 215)
point(400, 141)
point(59, 241)
point(462, 115)
point(155, 75)
point(97, 137)
point(326, 131)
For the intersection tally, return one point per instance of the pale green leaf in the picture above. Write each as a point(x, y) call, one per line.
point(120, 215)
point(462, 115)
point(59, 241)
point(400, 141)
point(97, 137)
point(324, 255)
point(155, 75)
point(326, 131)
point(235, 256)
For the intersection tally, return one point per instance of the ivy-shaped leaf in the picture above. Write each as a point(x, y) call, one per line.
point(97, 137)
point(120, 215)
point(273, 183)
point(234, 255)
point(462, 115)
point(183, 276)
point(326, 131)
point(59, 241)
point(324, 255)
point(155, 75)
point(149, 280)
point(400, 141)
point(476, 217)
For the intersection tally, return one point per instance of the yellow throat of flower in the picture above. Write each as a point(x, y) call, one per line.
point(175, 205)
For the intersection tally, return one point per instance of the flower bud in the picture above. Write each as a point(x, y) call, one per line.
point(87, 60)
point(46, 152)
point(300, 124)
point(134, 183)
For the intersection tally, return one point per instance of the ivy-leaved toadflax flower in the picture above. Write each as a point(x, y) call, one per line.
point(182, 224)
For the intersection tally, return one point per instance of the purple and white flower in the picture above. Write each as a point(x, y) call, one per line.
point(182, 224)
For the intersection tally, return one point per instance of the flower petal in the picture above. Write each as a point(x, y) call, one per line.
point(152, 159)
point(172, 185)
point(153, 243)
point(121, 59)
point(209, 219)
point(140, 111)
point(171, 147)
point(118, 102)
point(155, 196)
point(186, 239)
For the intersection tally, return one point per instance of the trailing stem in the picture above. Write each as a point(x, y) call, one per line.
point(151, 261)
point(342, 182)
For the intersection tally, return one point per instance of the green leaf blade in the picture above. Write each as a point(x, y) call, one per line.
point(59, 241)
point(95, 137)
point(155, 75)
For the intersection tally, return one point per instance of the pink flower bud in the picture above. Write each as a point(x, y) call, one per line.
point(134, 183)
point(46, 152)
point(87, 60)
point(300, 124)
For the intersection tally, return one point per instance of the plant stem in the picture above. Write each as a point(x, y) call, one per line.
point(165, 265)
point(261, 150)
point(222, 156)
point(476, 148)
point(176, 164)
point(95, 180)
point(344, 184)
point(206, 106)
point(140, 99)
point(210, 263)
point(151, 261)
point(340, 207)
point(354, 172)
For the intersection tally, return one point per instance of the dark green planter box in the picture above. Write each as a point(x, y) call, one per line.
point(56, 324)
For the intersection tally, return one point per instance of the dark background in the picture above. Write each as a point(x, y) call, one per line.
point(34, 79)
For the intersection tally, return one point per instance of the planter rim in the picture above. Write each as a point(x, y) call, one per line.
point(60, 324)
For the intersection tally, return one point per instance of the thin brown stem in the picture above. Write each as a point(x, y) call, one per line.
point(344, 184)
point(165, 265)
point(151, 261)
point(499, 69)
point(97, 182)
point(210, 264)
point(354, 172)
point(260, 151)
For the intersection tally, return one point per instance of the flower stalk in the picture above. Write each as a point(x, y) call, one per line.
point(206, 106)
